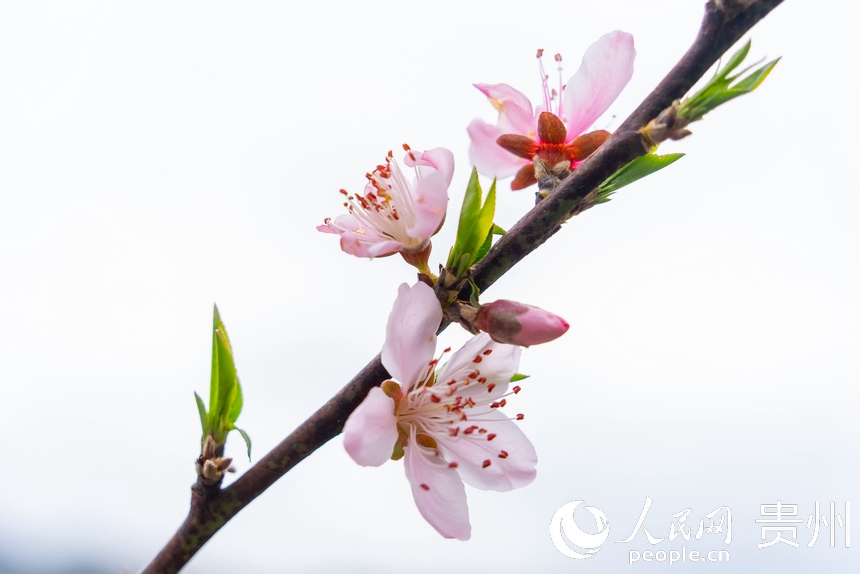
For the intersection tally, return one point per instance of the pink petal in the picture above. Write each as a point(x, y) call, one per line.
point(515, 110)
point(370, 432)
point(606, 68)
point(514, 469)
point(517, 324)
point(487, 156)
point(358, 240)
point(438, 491)
point(436, 168)
point(497, 367)
point(410, 337)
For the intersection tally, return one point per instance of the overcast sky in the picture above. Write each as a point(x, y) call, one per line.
point(159, 157)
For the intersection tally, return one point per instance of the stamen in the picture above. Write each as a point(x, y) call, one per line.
point(424, 486)
point(491, 436)
point(486, 464)
point(503, 454)
point(453, 464)
point(560, 112)
point(520, 416)
point(490, 387)
point(517, 389)
point(547, 99)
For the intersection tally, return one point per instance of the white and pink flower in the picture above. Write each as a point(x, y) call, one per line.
point(554, 134)
point(447, 425)
point(394, 214)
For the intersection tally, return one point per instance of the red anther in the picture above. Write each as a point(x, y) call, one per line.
point(454, 431)
point(520, 416)
point(471, 429)
point(452, 465)
point(495, 405)
point(477, 359)
point(435, 399)
point(470, 402)
point(503, 454)
point(390, 154)
point(517, 389)
point(491, 436)
point(503, 402)
point(558, 57)
point(406, 147)
point(452, 382)
point(487, 352)
point(474, 374)
point(482, 380)
point(424, 486)
point(345, 192)
point(540, 53)
point(482, 431)
point(447, 350)
point(486, 463)
point(490, 387)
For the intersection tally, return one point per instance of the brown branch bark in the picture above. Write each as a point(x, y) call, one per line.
point(724, 23)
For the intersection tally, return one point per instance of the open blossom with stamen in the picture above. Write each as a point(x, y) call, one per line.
point(394, 214)
point(554, 134)
point(447, 425)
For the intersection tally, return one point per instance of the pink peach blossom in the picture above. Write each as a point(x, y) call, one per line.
point(555, 135)
point(395, 215)
point(446, 425)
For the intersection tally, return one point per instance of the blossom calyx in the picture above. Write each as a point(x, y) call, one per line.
point(517, 324)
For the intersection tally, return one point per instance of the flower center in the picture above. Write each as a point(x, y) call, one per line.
point(451, 409)
point(388, 203)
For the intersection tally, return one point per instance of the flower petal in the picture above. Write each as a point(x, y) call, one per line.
point(487, 156)
point(410, 336)
point(438, 491)
point(497, 366)
point(435, 168)
point(515, 110)
point(511, 456)
point(359, 240)
point(370, 432)
point(606, 68)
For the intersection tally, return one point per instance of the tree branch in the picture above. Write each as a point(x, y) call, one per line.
point(724, 23)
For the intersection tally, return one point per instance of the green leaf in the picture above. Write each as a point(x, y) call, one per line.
point(225, 394)
point(735, 60)
point(637, 169)
point(247, 439)
point(476, 223)
point(236, 406)
point(724, 87)
point(485, 247)
point(227, 380)
point(498, 230)
point(201, 408)
point(519, 377)
point(213, 385)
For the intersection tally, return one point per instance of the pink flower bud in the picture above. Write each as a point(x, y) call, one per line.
point(517, 324)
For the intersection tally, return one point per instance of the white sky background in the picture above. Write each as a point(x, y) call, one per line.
point(156, 158)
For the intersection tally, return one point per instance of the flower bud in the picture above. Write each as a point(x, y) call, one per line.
point(518, 324)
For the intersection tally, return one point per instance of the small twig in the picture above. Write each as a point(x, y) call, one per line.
point(724, 23)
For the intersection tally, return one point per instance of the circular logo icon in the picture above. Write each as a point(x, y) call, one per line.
point(587, 544)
